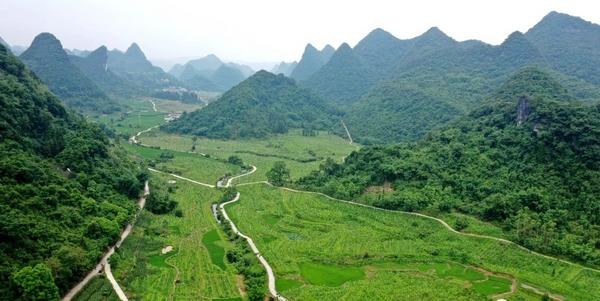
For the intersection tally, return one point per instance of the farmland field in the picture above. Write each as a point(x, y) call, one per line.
point(98, 289)
point(194, 270)
point(301, 154)
point(326, 250)
point(319, 249)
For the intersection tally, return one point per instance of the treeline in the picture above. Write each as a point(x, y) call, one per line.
point(525, 159)
point(66, 191)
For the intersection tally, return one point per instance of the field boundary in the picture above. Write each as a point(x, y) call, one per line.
point(445, 224)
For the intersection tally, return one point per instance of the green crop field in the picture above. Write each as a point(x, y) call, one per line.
point(300, 153)
point(328, 250)
point(194, 270)
point(194, 166)
point(98, 289)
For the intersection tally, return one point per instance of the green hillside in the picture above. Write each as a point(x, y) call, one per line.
point(95, 67)
point(312, 59)
point(528, 159)
point(133, 66)
point(52, 65)
point(66, 191)
point(570, 44)
point(263, 104)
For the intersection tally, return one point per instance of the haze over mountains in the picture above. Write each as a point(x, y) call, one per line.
point(430, 78)
point(412, 86)
point(497, 140)
point(211, 74)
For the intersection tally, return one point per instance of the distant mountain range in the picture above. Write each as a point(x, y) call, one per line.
point(47, 58)
point(211, 74)
point(416, 84)
point(284, 68)
point(88, 80)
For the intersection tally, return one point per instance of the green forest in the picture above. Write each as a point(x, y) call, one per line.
point(264, 104)
point(528, 158)
point(66, 191)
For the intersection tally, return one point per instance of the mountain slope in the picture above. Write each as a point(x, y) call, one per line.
point(526, 159)
point(312, 59)
point(343, 78)
point(211, 74)
point(263, 104)
point(570, 44)
point(67, 191)
point(284, 68)
point(3, 43)
point(51, 63)
point(95, 67)
point(133, 66)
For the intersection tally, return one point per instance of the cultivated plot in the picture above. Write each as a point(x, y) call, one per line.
point(327, 250)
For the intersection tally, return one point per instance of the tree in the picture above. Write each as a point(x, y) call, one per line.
point(279, 174)
point(36, 283)
point(235, 160)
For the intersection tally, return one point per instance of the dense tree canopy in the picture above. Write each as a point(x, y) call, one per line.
point(528, 158)
point(66, 192)
point(263, 104)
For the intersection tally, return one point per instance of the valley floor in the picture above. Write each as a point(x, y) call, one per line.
point(319, 248)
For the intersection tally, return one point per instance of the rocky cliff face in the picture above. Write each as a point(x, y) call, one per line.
point(523, 110)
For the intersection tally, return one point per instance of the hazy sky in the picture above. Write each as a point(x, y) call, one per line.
point(265, 30)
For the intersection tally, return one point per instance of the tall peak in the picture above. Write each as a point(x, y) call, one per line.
point(135, 50)
point(47, 40)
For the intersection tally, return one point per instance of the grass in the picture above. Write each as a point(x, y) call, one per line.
point(475, 225)
point(138, 114)
point(189, 165)
point(188, 272)
point(290, 148)
point(287, 284)
point(98, 289)
point(329, 275)
point(403, 257)
point(212, 241)
point(493, 285)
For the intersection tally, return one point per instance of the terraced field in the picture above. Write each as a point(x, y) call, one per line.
point(326, 250)
point(194, 270)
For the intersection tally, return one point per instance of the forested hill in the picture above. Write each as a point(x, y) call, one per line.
point(414, 85)
point(263, 104)
point(66, 192)
point(312, 59)
point(528, 159)
point(133, 66)
point(95, 66)
point(47, 58)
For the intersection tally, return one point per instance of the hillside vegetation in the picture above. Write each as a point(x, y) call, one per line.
point(52, 65)
point(66, 191)
point(263, 104)
point(528, 159)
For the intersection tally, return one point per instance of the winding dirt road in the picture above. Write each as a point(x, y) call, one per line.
point(133, 138)
point(103, 264)
point(263, 261)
